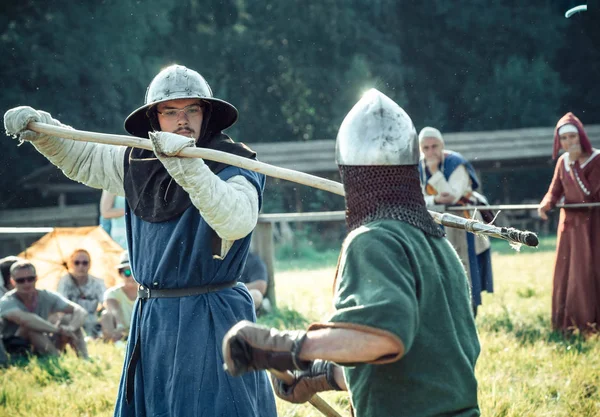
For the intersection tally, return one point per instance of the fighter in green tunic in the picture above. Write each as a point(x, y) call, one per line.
point(402, 340)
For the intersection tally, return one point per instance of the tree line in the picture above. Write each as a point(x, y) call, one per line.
point(294, 68)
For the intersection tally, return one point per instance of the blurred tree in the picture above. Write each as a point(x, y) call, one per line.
point(579, 63)
point(81, 61)
point(295, 68)
point(473, 65)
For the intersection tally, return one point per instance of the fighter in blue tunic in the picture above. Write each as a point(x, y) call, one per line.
point(189, 224)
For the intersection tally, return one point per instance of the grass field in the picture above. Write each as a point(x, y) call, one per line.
point(524, 368)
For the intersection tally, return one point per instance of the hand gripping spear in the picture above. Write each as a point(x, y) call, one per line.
point(316, 401)
point(512, 235)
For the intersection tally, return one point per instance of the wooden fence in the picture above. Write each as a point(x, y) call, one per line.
point(262, 240)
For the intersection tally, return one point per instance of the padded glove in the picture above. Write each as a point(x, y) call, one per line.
point(96, 165)
point(17, 119)
point(169, 144)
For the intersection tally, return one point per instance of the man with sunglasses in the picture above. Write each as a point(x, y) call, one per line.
point(25, 311)
point(118, 303)
point(189, 225)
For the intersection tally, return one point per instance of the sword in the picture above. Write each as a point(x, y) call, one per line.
point(510, 234)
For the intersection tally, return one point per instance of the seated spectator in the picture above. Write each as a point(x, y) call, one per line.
point(5, 264)
point(118, 304)
point(5, 286)
point(112, 208)
point(84, 289)
point(255, 277)
point(25, 311)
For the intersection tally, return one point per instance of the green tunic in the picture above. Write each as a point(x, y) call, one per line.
point(394, 278)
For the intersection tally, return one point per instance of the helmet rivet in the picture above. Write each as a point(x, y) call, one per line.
point(167, 92)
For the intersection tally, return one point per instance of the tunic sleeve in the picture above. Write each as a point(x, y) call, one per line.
point(376, 291)
point(457, 184)
point(556, 190)
point(57, 301)
point(8, 304)
point(587, 182)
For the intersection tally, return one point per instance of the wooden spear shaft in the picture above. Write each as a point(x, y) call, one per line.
point(273, 171)
point(210, 154)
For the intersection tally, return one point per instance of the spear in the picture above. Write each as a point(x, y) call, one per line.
point(510, 234)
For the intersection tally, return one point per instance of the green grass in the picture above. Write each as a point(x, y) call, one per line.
point(524, 369)
point(303, 256)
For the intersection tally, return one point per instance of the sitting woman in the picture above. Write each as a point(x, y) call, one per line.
point(84, 289)
point(118, 303)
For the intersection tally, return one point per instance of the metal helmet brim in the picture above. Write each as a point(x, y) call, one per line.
point(178, 82)
point(223, 115)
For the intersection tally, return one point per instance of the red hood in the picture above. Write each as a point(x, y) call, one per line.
point(570, 118)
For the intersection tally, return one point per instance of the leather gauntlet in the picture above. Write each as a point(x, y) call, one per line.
point(319, 377)
point(250, 347)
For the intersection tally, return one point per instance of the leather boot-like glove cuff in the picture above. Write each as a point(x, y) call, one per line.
point(250, 347)
point(299, 364)
point(329, 374)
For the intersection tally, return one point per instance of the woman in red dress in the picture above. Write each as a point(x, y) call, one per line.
point(576, 288)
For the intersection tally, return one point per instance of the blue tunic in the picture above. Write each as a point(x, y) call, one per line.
point(180, 371)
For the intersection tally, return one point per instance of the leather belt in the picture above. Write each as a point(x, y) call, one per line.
point(145, 293)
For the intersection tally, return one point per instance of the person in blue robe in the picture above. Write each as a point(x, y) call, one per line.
point(448, 179)
point(189, 224)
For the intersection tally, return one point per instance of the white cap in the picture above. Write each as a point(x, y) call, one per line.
point(430, 132)
point(568, 128)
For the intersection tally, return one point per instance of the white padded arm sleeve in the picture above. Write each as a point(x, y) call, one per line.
point(95, 165)
point(458, 184)
point(230, 208)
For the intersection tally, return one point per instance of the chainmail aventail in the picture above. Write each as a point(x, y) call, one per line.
point(386, 192)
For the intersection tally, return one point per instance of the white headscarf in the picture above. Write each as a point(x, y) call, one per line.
point(430, 132)
point(568, 128)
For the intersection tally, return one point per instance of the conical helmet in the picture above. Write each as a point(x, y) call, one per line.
point(177, 82)
point(377, 131)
